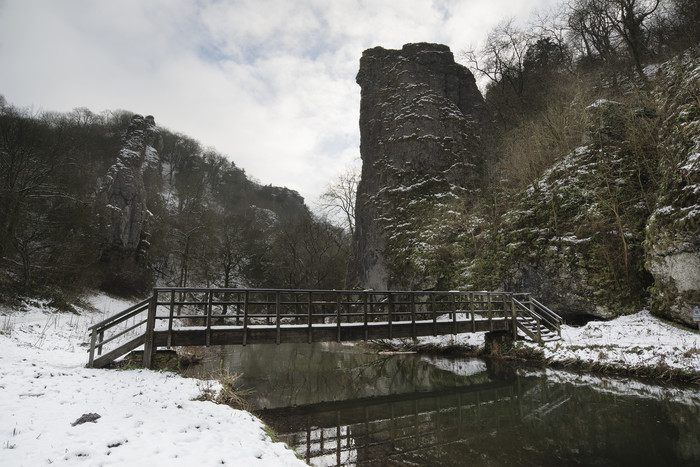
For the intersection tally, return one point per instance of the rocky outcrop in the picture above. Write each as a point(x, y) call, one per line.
point(122, 200)
point(122, 192)
point(419, 115)
point(617, 217)
point(673, 231)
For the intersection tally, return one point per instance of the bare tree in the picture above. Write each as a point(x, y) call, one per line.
point(592, 29)
point(602, 26)
point(502, 57)
point(628, 17)
point(339, 198)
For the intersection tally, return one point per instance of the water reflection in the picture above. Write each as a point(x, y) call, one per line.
point(290, 375)
point(357, 409)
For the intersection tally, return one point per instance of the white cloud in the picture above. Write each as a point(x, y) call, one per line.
point(270, 83)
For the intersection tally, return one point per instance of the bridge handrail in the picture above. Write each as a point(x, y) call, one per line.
point(543, 316)
point(97, 331)
point(545, 319)
point(555, 318)
point(343, 291)
point(134, 309)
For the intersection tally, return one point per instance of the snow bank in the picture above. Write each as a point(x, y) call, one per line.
point(634, 341)
point(145, 417)
point(628, 342)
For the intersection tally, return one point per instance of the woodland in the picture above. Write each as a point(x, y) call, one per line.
point(211, 224)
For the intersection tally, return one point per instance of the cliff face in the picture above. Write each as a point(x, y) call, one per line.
point(419, 147)
point(673, 230)
point(575, 237)
point(122, 204)
point(608, 226)
point(122, 192)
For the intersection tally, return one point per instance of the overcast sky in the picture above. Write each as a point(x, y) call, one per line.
point(268, 83)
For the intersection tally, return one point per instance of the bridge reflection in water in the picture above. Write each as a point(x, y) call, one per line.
point(518, 420)
point(414, 427)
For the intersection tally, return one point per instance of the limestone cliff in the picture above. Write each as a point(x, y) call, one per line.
point(122, 201)
point(673, 230)
point(606, 227)
point(575, 237)
point(419, 146)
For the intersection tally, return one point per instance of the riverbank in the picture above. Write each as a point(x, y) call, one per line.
point(635, 345)
point(55, 411)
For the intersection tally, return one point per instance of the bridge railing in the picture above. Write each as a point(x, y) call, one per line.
point(176, 308)
point(524, 305)
point(119, 334)
point(238, 307)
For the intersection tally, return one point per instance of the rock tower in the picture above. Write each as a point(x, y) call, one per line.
point(419, 121)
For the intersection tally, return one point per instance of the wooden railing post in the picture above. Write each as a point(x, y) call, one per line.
point(364, 311)
point(453, 302)
point(413, 315)
point(391, 314)
point(514, 318)
point(93, 339)
point(170, 318)
point(277, 315)
point(238, 309)
point(310, 313)
point(210, 299)
point(338, 310)
point(101, 339)
point(245, 318)
point(149, 347)
point(472, 310)
point(490, 310)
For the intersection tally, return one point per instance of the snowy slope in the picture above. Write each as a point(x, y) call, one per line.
point(146, 417)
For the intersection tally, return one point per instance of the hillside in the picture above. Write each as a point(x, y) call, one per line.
point(603, 229)
point(116, 202)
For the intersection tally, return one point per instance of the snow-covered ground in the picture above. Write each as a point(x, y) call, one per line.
point(628, 342)
point(633, 341)
point(145, 417)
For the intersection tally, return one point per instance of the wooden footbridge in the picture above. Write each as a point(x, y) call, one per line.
point(174, 317)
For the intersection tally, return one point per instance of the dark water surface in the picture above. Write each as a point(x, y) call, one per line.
point(337, 405)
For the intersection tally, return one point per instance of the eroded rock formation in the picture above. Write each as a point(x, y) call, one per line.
point(419, 117)
point(673, 230)
point(122, 199)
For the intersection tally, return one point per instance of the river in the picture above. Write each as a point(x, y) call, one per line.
point(341, 405)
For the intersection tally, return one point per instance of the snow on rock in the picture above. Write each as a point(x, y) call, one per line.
point(145, 417)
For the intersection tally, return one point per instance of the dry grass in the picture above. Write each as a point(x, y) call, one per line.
point(7, 325)
point(229, 393)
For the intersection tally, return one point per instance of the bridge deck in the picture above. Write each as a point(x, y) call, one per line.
point(291, 333)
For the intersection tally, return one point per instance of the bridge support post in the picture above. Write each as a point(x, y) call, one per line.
point(149, 348)
point(93, 339)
